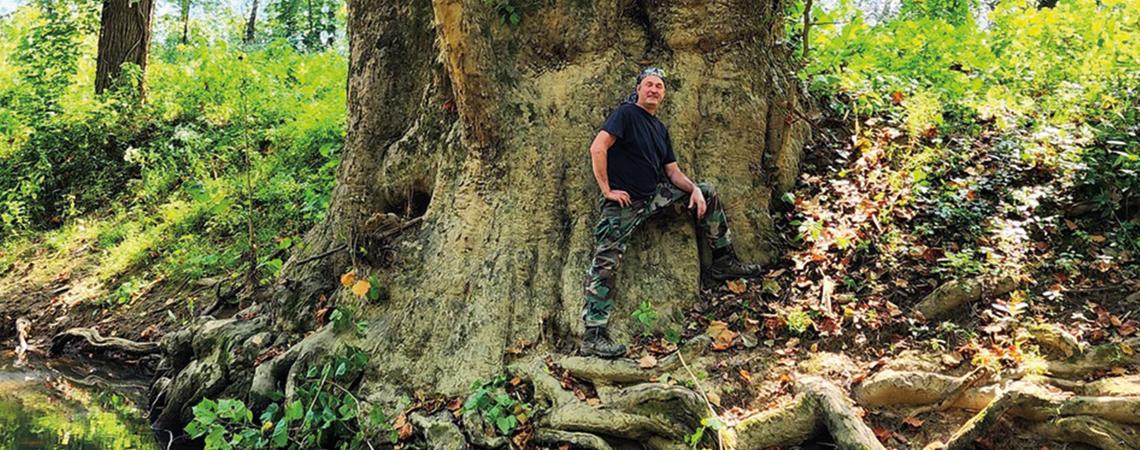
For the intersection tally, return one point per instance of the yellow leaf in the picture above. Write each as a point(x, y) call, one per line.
point(1126, 349)
point(348, 278)
point(361, 288)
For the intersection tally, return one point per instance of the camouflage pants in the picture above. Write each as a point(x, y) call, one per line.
point(615, 227)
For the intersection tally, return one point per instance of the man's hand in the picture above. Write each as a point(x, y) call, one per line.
point(622, 197)
point(698, 199)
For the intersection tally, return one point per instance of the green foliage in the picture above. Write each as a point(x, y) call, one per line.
point(307, 25)
point(799, 322)
point(954, 12)
point(962, 263)
point(497, 406)
point(342, 320)
point(174, 169)
point(1056, 89)
point(508, 10)
point(321, 412)
point(646, 316)
point(708, 423)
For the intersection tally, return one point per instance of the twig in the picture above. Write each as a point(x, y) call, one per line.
point(342, 247)
point(338, 248)
point(704, 396)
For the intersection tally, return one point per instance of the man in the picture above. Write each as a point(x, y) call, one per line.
point(635, 167)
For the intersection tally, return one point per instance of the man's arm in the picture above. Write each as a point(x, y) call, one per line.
point(598, 151)
point(678, 178)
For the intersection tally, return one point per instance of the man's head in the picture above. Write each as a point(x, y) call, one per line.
point(650, 90)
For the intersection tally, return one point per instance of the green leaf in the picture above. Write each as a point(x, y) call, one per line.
point(293, 411)
point(206, 411)
point(270, 412)
point(374, 289)
point(515, 19)
point(280, 435)
point(359, 359)
point(376, 416)
point(194, 429)
point(506, 424)
point(216, 439)
point(341, 369)
point(472, 402)
point(713, 423)
point(695, 438)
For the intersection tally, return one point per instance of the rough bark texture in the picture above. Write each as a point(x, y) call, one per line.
point(124, 37)
point(483, 129)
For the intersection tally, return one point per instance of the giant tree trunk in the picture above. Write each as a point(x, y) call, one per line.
point(483, 129)
point(124, 37)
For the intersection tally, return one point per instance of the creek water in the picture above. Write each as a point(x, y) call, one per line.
point(71, 404)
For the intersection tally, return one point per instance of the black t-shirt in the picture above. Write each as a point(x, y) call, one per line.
point(637, 160)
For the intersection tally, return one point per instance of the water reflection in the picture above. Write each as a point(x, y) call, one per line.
point(62, 404)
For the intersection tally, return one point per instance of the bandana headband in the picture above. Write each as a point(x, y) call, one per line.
point(648, 71)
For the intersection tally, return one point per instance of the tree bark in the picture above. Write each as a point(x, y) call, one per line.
point(250, 26)
point(124, 37)
point(483, 128)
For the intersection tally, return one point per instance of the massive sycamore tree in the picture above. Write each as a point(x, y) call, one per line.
point(466, 190)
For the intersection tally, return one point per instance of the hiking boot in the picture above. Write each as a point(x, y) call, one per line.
point(597, 343)
point(727, 267)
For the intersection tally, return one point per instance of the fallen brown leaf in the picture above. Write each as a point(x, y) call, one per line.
point(736, 286)
point(721, 335)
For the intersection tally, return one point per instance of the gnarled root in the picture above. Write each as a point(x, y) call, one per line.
point(953, 294)
point(1062, 411)
point(91, 339)
point(210, 358)
point(662, 416)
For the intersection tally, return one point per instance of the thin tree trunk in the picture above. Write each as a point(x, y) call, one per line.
point(807, 28)
point(124, 37)
point(251, 24)
point(184, 6)
point(311, 38)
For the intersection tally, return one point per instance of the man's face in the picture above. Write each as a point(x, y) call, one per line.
point(651, 91)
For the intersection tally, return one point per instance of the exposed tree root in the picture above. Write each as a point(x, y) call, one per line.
point(578, 440)
point(1091, 430)
point(95, 341)
point(630, 404)
point(662, 416)
point(948, 297)
point(1100, 357)
point(1109, 421)
point(439, 431)
point(620, 371)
